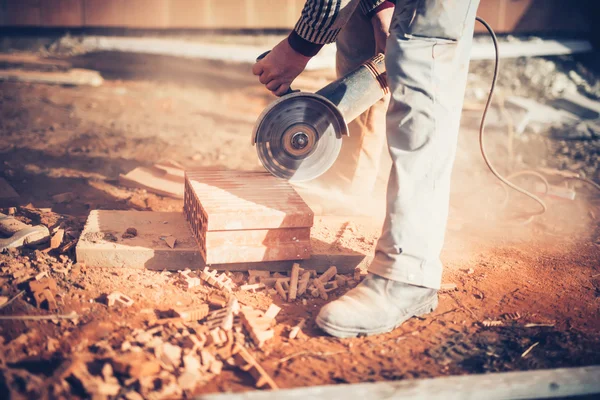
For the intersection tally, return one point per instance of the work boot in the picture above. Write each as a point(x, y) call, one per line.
point(376, 305)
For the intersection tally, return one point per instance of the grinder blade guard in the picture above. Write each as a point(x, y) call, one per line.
point(299, 136)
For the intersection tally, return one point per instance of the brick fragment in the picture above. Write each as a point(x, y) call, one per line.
point(115, 297)
point(253, 287)
point(246, 362)
point(257, 325)
point(221, 281)
point(272, 311)
point(320, 288)
point(328, 275)
point(217, 300)
point(297, 329)
point(303, 284)
point(192, 314)
point(279, 287)
point(294, 282)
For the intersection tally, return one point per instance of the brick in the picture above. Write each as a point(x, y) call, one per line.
point(246, 217)
point(101, 245)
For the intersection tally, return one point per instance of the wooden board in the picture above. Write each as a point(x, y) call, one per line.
point(541, 384)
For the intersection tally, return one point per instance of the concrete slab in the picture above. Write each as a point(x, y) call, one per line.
point(101, 245)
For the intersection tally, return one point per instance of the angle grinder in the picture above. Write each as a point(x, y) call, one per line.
point(299, 136)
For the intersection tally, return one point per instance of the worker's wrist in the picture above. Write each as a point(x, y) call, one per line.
point(383, 6)
point(303, 46)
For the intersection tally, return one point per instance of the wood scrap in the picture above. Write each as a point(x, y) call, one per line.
point(294, 282)
point(247, 363)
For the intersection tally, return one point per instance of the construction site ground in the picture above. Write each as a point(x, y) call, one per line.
point(540, 279)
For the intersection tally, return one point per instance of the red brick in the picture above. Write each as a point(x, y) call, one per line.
point(246, 217)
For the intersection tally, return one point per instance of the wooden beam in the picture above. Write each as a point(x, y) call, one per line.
point(540, 384)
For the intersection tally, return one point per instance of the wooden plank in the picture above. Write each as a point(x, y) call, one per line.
point(540, 384)
point(62, 13)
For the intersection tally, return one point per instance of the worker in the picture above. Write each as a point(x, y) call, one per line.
point(427, 56)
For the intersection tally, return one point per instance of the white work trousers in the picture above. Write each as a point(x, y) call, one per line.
point(427, 58)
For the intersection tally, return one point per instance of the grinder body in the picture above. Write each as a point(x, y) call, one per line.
point(299, 136)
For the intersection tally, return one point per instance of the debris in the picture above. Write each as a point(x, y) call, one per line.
point(303, 284)
point(469, 271)
point(57, 239)
point(119, 297)
point(244, 360)
point(280, 289)
point(328, 275)
point(448, 287)
point(297, 329)
point(189, 280)
point(192, 314)
point(538, 325)
point(223, 318)
point(357, 273)
point(170, 241)
point(5, 304)
point(63, 197)
point(321, 289)
point(294, 282)
point(330, 286)
point(489, 323)
point(129, 233)
point(217, 300)
point(272, 311)
point(526, 352)
point(169, 355)
point(43, 291)
point(135, 365)
point(70, 316)
point(341, 280)
point(256, 275)
point(511, 316)
point(221, 281)
point(253, 287)
point(258, 326)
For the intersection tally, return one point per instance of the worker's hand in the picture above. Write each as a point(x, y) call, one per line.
point(280, 67)
point(381, 27)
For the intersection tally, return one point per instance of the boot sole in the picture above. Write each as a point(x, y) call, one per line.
point(342, 333)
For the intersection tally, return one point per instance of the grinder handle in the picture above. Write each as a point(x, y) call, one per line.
point(263, 55)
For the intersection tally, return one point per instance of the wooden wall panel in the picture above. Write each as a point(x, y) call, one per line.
point(64, 13)
point(127, 13)
point(22, 13)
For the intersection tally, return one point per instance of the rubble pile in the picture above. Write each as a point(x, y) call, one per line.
point(176, 349)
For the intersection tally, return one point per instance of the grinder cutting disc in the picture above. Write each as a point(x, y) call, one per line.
point(298, 137)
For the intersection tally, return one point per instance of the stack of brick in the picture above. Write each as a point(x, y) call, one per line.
point(241, 217)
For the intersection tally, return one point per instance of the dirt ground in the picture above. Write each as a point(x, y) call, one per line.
point(541, 279)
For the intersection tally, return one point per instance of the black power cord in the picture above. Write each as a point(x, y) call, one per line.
point(482, 129)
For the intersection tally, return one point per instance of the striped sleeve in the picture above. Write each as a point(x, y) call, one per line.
point(368, 6)
point(322, 20)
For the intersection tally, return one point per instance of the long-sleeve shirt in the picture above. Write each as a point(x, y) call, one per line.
point(322, 20)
